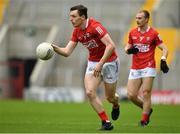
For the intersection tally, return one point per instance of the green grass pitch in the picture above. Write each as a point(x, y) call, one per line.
point(38, 117)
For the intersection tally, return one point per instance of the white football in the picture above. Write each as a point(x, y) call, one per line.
point(44, 51)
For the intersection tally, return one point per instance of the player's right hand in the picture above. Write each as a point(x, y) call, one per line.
point(54, 46)
point(97, 69)
point(133, 50)
point(164, 67)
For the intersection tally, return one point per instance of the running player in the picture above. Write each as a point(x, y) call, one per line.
point(142, 43)
point(102, 64)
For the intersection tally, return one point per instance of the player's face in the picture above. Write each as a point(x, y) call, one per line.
point(141, 20)
point(75, 19)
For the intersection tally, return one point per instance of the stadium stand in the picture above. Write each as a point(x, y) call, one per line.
point(3, 5)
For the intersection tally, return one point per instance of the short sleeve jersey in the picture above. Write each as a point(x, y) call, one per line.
point(90, 37)
point(146, 43)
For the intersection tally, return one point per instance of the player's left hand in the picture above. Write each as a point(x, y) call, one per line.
point(164, 66)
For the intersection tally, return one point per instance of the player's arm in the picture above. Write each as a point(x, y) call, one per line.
point(163, 65)
point(110, 47)
point(164, 50)
point(128, 46)
point(66, 51)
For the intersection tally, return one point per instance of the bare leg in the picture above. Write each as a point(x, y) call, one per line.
point(112, 97)
point(133, 88)
point(110, 91)
point(91, 85)
point(147, 88)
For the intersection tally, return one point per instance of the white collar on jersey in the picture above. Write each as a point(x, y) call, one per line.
point(87, 22)
point(146, 29)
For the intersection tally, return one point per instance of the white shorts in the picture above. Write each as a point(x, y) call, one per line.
point(110, 70)
point(140, 73)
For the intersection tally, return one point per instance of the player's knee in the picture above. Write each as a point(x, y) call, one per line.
point(110, 99)
point(90, 94)
point(131, 96)
point(146, 93)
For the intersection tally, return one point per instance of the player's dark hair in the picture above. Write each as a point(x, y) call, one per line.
point(146, 13)
point(82, 10)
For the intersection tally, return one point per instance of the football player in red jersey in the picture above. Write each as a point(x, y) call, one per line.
point(103, 63)
point(142, 43)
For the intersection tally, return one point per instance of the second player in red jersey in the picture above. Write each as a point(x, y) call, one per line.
point(142, 43)
point(146, 43)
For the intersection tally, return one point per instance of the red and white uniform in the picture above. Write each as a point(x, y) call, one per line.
point(146, 43)
point(90, 37)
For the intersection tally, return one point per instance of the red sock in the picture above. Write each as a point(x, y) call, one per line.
point(103, 116)
point(145, 116)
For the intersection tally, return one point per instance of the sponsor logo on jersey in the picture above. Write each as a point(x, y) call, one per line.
point(143, 47)
point(90, 44)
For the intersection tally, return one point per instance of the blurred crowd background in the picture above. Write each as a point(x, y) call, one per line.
point(26, 23)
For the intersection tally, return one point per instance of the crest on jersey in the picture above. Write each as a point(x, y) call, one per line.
point(147, 38)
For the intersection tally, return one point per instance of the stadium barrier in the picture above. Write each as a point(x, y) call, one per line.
point(54, 94)
point(158, 96)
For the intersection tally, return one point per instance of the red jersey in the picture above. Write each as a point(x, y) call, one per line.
point(146, 43)
point(90, 37)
